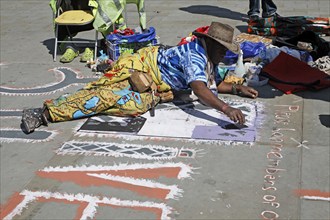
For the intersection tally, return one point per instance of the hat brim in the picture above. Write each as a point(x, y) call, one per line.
point(231, 46)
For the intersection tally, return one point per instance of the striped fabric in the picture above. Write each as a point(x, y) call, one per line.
point(183, 64)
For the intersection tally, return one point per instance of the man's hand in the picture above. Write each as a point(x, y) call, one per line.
point(225, 87)
point(248, 91)
point(234, 114)
point(208, 98)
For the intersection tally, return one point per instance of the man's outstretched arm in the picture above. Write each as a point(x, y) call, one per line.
point(206, 96)
point(225, 87)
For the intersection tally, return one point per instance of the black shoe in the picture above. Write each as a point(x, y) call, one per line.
point(33, 118)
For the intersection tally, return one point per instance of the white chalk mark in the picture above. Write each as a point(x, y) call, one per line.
point(93, 202)
point(302, 144)
point(149, 152)
point(185, 170)
point(17, 135)
point(174, 193)
point(316, 198)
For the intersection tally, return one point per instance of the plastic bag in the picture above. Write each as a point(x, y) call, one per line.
point(250, 49)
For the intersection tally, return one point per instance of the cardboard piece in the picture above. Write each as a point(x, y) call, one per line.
point(112, 124)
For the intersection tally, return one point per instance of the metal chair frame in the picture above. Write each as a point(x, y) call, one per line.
point(82, 41)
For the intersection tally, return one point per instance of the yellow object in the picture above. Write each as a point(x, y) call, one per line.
point(69, 55)
point(87, 55)
point(75, 17)
point(234, 79)
point(145, 60)
point(112, 94)
point(106, 12)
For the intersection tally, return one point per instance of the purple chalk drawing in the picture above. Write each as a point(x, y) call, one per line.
point(218, 133)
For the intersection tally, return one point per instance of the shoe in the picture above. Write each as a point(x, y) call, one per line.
point(33, 118)
point(88, 55)
point(69, 55)
point(254, 17)
point(275, 15)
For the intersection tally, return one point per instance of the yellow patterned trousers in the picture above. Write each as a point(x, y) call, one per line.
point(111, 94)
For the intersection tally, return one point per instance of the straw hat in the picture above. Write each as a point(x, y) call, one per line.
point(221, 33)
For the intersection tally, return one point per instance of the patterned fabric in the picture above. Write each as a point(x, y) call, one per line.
point(111, 94)
point(288, 26)
point(183, 64)
point(243, 37)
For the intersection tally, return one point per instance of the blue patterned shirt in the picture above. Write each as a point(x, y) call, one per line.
point(183, 64)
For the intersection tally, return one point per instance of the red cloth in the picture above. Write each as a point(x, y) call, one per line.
point(126, 32)
point(290, 75)
point(186, 40)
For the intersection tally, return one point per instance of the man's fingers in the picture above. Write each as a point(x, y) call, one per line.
point(243, 118)
point(250, 92)
point(254, 93)
point(236, 116)
point(240, 118)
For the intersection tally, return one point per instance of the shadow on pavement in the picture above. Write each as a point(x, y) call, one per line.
point(317, 95)
point(49, 43)
point(218, 12)
point(214, 11)
point(242, 28)
point(268, 92)
point(325, 120)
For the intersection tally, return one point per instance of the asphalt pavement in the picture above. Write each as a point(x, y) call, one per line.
point(58, 172)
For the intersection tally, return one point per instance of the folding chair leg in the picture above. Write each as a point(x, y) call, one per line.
point(126, 19)
point(95, 47)
point(55, 46)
